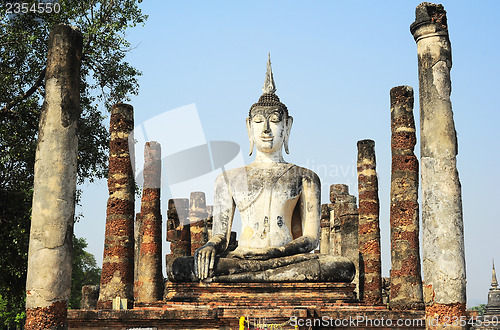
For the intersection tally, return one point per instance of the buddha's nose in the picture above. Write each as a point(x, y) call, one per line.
point(267, 128)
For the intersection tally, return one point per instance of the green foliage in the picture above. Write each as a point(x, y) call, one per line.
point(106, 78)
point(480, 308)
point(85, 271)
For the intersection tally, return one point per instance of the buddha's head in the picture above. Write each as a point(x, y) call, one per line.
point(268, 122)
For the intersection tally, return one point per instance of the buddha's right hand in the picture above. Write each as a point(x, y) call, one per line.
point(204, 259)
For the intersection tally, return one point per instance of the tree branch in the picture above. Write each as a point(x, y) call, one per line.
point(28, 93)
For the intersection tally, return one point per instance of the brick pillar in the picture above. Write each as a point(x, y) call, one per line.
point(197, 215)
point(442, 222)
point(150, 277)
point(324, 246)
point(117, 278)
point(346, 212)
point(48, 282)
point(369, 230)
point(178, 229)
point(406, 281)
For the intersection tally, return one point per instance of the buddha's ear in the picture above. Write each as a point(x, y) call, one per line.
point(249, 130)
point(288, 127)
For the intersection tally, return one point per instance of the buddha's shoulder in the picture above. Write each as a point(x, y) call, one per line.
point(232, 176)
point(306, 174)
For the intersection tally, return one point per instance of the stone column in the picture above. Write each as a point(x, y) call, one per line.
point(149, 275)
point(197, 215)
point(117, 277)
point(178, 229)
point(346, 213)
point(324, 246)
point(406, 281)
point(48, 283)
point(369, 229)
point(442, 223)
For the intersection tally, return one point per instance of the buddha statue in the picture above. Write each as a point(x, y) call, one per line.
point(279, 204)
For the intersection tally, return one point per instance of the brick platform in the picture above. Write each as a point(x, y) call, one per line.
point(189, 316)
point(220, 306)
point(261, 294)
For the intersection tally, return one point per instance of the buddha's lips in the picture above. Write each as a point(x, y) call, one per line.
point(266, 138)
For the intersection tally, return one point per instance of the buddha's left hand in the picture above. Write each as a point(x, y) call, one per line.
point(256, 254)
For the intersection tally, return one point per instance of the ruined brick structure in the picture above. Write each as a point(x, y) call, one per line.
point(345, 213)
point(149, 273)
point(369, 229)
point(117, 278)
point(197, 219)
point(178, 231)
point(406, 281)
point(346, 230)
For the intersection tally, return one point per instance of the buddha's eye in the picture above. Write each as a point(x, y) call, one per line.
point(275, 118)
point(258, 119)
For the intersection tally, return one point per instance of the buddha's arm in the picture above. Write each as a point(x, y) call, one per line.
point(224, 207)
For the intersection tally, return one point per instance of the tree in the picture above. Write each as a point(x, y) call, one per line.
point(85, 271)
point(480, 308)
point(106, 78)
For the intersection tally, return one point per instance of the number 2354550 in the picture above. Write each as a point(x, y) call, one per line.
point(37, 7)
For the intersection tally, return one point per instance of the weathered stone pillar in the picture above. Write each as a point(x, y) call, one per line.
point(346, 213)
point(442, 223)
point(369, 229)
point(149, 275)
point(117, 277)
point(324, 246)
point(406, 281)
point(48, 283)
point(178, 230)
point(197, 216)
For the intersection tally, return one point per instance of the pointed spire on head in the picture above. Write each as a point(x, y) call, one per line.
point(268, 98)
point(494, 282)
point(269, 86)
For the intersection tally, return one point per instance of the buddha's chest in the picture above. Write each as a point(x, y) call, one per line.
point(268, 190)
point(266, 206)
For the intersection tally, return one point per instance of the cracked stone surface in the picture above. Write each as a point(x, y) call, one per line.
point(442, 219)
point(48, 282)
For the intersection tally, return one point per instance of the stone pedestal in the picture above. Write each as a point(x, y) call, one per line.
point(48, 283)
point(369, 229)
point(261, 294)
point(117, 278)
point(406, 281)
point(442, 223)
point(274, 310)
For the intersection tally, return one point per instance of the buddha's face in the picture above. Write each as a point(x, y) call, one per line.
point(268, 127)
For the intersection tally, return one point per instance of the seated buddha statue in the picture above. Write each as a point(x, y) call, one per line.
point(279, 204)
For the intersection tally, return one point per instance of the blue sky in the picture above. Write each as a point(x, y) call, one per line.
point(334, 63)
